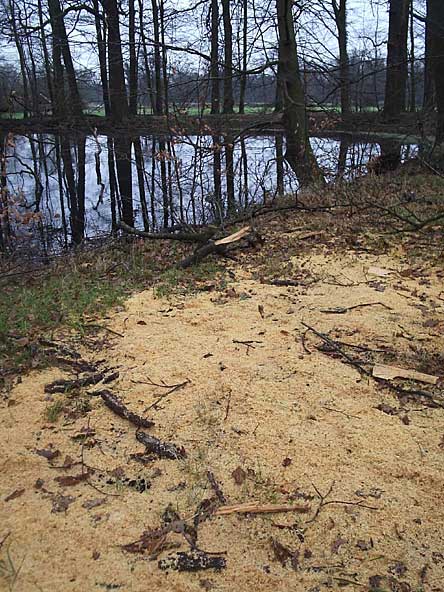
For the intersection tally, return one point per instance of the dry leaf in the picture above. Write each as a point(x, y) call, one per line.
point(239, 475)
point(69, 480)
point(391, 372)
point(48, 453)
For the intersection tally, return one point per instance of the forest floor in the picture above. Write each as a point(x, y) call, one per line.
point(268, 412)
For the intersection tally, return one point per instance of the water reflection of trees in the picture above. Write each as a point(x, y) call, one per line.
point(57, 190)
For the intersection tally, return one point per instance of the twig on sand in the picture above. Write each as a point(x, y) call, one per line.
point(255, 508)
point(323, 502)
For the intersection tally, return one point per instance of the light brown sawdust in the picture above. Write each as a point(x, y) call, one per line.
point(248, 407)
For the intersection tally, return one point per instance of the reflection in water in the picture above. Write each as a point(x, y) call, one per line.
point(61, 189)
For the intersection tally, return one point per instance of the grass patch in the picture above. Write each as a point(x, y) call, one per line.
point(53, 411)
point(82, 287)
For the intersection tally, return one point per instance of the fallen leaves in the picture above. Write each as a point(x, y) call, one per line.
point(48, 453)
point(239, 475)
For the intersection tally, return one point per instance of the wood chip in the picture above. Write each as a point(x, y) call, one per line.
point(391, 372)
point(379, 271)
point(234, 237)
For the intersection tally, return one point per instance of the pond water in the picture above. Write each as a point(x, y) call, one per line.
point(61, 189)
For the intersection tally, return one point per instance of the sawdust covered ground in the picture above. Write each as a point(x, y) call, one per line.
point(279, 418)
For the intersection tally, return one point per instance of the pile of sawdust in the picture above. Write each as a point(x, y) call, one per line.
point(273, 418)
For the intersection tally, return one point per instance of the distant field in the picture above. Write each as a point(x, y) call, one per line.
point(194, 110)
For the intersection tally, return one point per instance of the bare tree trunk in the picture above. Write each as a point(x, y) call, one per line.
point(428, 103)
point(133, 98)
point(228, 106)
point(145, 58)
point(157, 59)
point(117, 88)
point(214, 68)
point(243, 78)
point(436, 20)
point(59, 32)
point(101, 47)
point(299, 154)
point(397, 60)
point(340, 11)
point(412, 61)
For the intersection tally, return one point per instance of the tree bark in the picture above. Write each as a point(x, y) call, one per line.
point(133, 98)
point(243, 78)
point(228, 106)
point(340, 11)
point(59, 33)
point(101, 47)
point(214, 67)
point(299, 154)
point(117, 88)
point(397, 60)
point(436, 22)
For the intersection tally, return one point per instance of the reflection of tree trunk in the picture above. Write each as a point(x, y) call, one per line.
point(76, 187)
point(217, 178)
point(122, 148)
point(342, 160)
point(299, 154)
point(163, 182)
point(214, 68)
point(153, 185)
point(112, 183)
point(141, 182)
point(4, 219)
point(397, 61)
point(228, 106)
point(229, 171)
point(61, 192)
point(436, 19)
point(244, 157)
point(390, 157)
point(279, 165)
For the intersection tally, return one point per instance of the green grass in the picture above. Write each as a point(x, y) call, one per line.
point(53, 411)
point(81, 288)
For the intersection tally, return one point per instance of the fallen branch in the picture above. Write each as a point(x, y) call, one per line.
point(344, 309)
point(115, 404)
point(194, 561)
point(161, 449)
point(255, 508)
point(222, 246)
point(192, 237)
point(216, 487)
point(63, 386)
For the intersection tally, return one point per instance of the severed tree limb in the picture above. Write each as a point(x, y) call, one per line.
point(161, 449)
point(115, 404)
point(192, 237)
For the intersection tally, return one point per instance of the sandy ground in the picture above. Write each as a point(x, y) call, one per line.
point(297, 423)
